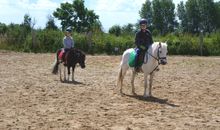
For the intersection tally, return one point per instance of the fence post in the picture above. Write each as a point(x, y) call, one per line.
point(201, 42)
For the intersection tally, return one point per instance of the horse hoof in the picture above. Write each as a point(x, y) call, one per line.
point(134, 93)
point(146, 96)
point(121, 93)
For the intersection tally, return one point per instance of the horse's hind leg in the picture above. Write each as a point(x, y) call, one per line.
point(73, 75)
point(64, 73)
point(120, 80)
point(150, 84)
point(73, 68)
point(121, 77)
point(145, 85)
point(132, 82)
point(60, 71)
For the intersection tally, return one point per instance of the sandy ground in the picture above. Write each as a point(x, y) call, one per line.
point(186, 95)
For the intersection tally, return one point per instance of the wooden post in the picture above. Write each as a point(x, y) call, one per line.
point(201, 42)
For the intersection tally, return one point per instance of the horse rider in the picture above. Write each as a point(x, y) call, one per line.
point(68, 43)
point(143, 40)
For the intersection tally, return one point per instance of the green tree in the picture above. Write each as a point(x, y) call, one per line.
point(207, 15)
point(193, 16)
point(116, 30)
point(76, 15)
point(163, 15)
point(181, 13)
point(146, 11)
point(201, 15)
point(96, 27)
point(3, 28)
point(15, 35)
point(27, 24)
point(51, 23)
point(217, 7)
point(128, 29)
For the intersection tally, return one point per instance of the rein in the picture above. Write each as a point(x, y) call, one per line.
point(156, 58)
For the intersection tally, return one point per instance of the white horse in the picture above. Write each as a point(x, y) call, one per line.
point(155, 56)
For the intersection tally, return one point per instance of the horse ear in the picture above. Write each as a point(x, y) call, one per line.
point(166, 41)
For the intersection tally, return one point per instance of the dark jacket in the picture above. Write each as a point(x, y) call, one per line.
point(143, 39)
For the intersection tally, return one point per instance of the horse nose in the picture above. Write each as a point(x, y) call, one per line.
point(83, 66)
point(163, 61)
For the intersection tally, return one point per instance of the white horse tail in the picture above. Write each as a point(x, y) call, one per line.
point(119, 76)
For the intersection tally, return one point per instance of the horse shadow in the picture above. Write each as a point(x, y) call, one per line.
point(72, 82)
point(152, 99)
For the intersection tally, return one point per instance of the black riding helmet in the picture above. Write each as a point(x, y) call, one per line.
point(143, 21)
point(69, 30)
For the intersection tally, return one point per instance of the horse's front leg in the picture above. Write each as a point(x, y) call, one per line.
point(132, 82)
point(150, 84)
point(73, 69)
point(145, 85)
point(68, 69)
point(60, 71)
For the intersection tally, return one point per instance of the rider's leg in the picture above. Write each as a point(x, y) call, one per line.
point(136, 67)
point(63, 56)
point(66, 50)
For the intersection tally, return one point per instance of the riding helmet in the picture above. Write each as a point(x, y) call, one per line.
point(143, 21)
point(69, 30)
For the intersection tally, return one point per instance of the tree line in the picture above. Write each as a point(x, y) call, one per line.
point(193, 16)
point(181, 26)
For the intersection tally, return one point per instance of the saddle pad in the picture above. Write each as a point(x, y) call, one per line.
point(131, 60)
point(61, 54)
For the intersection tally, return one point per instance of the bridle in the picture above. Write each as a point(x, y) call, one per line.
point(158, 58)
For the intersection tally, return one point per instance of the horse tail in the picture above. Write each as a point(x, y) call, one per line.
point(56, 64)
point(119, 76)
point(55, 68)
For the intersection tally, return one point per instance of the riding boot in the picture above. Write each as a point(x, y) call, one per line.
point(136, 67)
point(64, 58)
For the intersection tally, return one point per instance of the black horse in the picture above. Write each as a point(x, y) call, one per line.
point(73, 56)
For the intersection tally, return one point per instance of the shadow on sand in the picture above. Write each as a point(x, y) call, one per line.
point(72, 82)
point(152, 99)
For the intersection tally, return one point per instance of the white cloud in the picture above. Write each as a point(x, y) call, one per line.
point(112, 12)
point(38, 5)
point(117, 5)
point(13, 11)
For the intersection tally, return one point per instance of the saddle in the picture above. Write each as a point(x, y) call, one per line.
point(132, 57)
point(63, 56)
point(60, 55)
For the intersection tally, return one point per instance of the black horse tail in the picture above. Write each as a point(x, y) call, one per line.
point(56, 65)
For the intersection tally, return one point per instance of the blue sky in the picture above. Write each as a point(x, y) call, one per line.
point(111, 12)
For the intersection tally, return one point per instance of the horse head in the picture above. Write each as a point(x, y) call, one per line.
point(80, 57)
point(162, 53)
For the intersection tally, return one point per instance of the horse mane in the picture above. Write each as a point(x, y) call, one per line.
point(162, 43)
point(78, 50)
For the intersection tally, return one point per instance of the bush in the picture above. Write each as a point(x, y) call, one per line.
point(51, 40)
point(43, 41)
